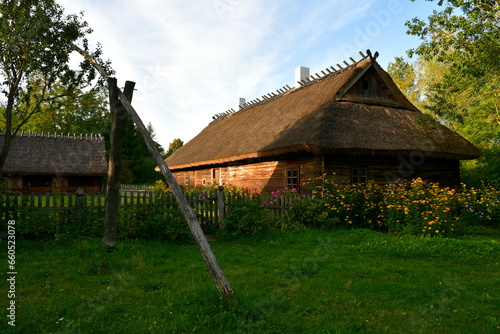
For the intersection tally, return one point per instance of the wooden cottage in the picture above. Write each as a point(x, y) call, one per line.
point(43, 163)
point(352, 121)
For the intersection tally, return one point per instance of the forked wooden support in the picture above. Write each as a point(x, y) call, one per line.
point(211, 262)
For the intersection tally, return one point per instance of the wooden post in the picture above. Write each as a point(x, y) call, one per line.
point(211, 262)
point(80, 203)
point(118, 125)
point(221, 206)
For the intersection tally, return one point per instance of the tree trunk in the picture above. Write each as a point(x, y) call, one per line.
point(118, 125)
point(8, 134)
point(211, 262)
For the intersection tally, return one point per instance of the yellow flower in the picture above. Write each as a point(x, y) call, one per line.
point(437, 231)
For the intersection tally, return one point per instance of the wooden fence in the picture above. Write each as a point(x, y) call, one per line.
point(134, 188)
point(210, 206)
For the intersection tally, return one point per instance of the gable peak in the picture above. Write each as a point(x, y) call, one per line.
point(306, 81)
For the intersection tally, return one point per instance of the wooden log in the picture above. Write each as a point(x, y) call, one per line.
point(210, 260)
point(118, 125)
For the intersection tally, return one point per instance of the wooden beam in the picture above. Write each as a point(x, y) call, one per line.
point(118, 126)
point(210, 260)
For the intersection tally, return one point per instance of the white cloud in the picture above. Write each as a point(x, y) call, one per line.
point(193, 59)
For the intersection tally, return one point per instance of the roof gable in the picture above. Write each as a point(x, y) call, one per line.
point(372, 85)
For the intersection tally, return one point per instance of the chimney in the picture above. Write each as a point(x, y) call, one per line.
point(241, 102)
point(301, 73)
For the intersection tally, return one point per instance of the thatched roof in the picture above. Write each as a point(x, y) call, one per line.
point(51, 154)
point(325, 116)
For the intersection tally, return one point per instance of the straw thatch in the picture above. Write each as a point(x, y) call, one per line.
point(325, 117)
point(55, 155)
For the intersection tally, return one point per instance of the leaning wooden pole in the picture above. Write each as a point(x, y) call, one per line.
point(211, 262)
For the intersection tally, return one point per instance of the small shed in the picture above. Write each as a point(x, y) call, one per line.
point(351, 121)
point(42, 163)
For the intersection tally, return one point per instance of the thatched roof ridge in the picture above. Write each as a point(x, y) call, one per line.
point(319, 117)
point(269, 97)
point(60, 154)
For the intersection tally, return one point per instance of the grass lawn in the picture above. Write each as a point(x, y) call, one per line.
point(307, 281)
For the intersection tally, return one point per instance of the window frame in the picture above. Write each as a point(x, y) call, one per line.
point(356, 173)
point(289, 179)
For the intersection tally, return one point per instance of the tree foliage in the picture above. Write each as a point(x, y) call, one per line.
point(174, 146)
point(77, 111)
point(405, 76)
point(459, 76)
point(138, 164)
point(35, 58)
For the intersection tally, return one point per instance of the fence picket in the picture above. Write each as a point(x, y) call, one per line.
point(205, 204)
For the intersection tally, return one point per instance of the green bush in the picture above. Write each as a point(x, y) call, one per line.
point(413, 207)
point(310, 213)
point(153, 221)
point(246, 216)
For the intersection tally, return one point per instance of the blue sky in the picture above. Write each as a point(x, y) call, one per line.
point(193, 59)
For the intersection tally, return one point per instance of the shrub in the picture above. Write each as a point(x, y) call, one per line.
point(153, 221)
point(412, 207)
point(150, 221)
point(245, 215)
point(310, 213)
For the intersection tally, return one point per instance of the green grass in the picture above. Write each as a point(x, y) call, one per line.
point(308, 281)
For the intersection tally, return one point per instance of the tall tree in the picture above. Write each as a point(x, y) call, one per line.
point(174, 146)
point(34, 55)
point(138, 165)
point(464, 39)
point(404, 75)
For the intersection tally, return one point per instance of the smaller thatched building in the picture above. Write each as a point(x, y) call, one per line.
point(41, 163)
point(352, 121)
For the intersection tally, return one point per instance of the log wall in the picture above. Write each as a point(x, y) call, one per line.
point(45, 184)
point(268, 176)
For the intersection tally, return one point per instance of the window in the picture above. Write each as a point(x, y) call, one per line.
point(216, 175)
point(292, 179)
point(358, 175)
point(38, 181)
point(187, 181)
point(366, 84)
